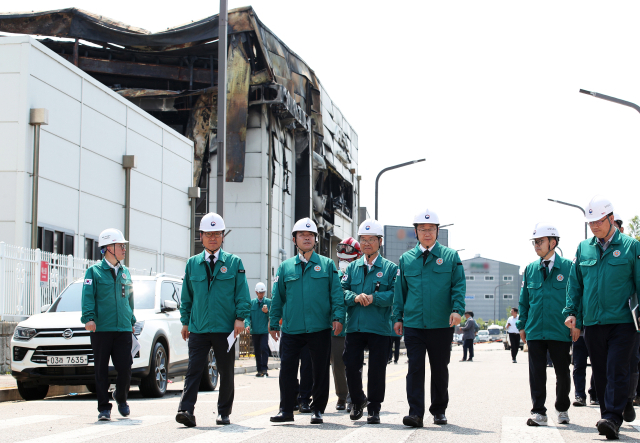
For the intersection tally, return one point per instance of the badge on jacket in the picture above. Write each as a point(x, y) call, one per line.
point(223, 269)
point(560, 277)
point(317, 268)
point(88, 282)
point(345, 277)
point(439, 261)
point(616, 253)
point(379, 274)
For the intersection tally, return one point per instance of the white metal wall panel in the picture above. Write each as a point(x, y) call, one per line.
point(253, 164)
point(246, 192)
point(148, 154)
point(175, 206)
point(10, 57)
point(8, 146)
point(57, 205)
point(145, 231)
point(59, 160)
point(144, 126)
point(174, 266)
point(175, 239)
point(242, 215)
point(55, 74)
point(102, 135)
point(9, 93)
point(177, 146)
point(64, 111)
point(242, 240)
point(147, 196)
point(8, 203)
point(102, 177)
point(97, 214)
point(143, 260)
point(99, 100)
point(254, 141)
point(176, 171)
point(251, 262)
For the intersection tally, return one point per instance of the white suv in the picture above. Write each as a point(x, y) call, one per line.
point(53, 348)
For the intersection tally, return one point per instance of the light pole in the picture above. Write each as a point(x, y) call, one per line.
point(494, 300)
point(611, 99)
point(388, 169)
point(573, 206)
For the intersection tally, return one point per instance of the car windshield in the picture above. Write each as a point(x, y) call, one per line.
point(494, 331)
point(483, 333)
point(71, 298)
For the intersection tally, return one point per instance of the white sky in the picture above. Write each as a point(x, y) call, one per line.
point(486, 91)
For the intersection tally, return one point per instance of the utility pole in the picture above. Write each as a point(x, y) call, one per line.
point(389, 169)
point(222, 104)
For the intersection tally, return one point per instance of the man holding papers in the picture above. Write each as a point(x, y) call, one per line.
point(215, 302)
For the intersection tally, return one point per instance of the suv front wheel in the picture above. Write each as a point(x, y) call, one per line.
point(209, 380)
point(155, 384)
point(33, 393)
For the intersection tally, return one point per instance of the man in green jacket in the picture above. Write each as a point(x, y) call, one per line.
point(429, 302)
point(541, 324)
point(368, 285)
point(215, 302)
point(107, 311)
point(604, 275)
point(310, 301)
point(258, 325)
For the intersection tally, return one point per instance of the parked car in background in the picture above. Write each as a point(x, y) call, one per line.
point(507, 345)
point(495, 332)
point(54, 348)
point(483, 336)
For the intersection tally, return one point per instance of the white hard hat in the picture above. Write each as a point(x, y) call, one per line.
point(617, 216)
point(427, 216)
point(260, 287)
point(111, 236)
point(544, 230)
point(598, 207)
point(212, 222)
point(371, 227)
point(304, 224)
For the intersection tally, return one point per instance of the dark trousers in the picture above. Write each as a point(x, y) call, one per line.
point(117, 346)
point(338, 368)
point(580, 354)
point(633, 368)
point(261, 351)
point(437, 343)
point(199, 346)
point(319, 344)
point(305, 385)
point(394, 355)
point(353, 357)
point(561, 358)
point(514, 342)
point(610, 348)
point(468, 344)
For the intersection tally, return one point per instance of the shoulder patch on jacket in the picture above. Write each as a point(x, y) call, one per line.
point(240, 271)
point(89, 281)
point(459, 264)
point(275, 279)
point(335, 271)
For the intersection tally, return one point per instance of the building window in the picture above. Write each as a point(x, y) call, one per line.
point(50, 240)
point(507, 278)
point(507, 296)
point(91, 249)
point(488, 278)
point(488, 296)
point(471, 277)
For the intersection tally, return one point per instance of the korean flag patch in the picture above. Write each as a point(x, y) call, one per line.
point(275, 280)
point(88, 282)
point(345, 277)
point(398, 274)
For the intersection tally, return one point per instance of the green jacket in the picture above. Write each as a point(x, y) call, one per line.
point(258, 321)
point(108, 300)
point(343, 333)
point(600, 283)
point(214, 307)
point(306, 301)
point(542, 301)
point(374, 318)
point(426, 294)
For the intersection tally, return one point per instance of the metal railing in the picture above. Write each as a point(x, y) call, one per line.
point(21, 292)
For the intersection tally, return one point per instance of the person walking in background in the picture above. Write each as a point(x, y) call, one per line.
point(258, 325)
point(394, 341)
point(468, 335)
point(514, 334)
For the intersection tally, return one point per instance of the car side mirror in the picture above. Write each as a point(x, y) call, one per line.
point(45, 308)
point(169, 305)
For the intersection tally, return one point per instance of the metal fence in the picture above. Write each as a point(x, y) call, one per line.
point(31, 278)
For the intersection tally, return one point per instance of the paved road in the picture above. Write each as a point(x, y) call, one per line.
point(489, 403)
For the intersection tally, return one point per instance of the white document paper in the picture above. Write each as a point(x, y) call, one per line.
point(231, 340)
point(135, 346)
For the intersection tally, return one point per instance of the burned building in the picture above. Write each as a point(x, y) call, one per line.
point(290, 152)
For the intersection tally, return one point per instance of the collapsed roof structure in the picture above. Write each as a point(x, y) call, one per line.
point(173, 75)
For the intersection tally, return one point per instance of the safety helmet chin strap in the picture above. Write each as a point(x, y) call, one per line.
point(377, 251)
point(211, 252)
point(106, 248)
point(415, 228)
point(295, 242)
point(548, 254)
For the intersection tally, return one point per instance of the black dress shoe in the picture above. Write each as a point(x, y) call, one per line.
point(357, 411)
point(629, 414)
point(282, 417)
point(609, 429)
point(349, 406)
point(223, 420)
point(259, 374)
point(439, 419)
point(412, 420)
point(304, 407)
point(580, 401)
point(341, 405)
point(316, 418)
point(373, 418)
point(186, 418)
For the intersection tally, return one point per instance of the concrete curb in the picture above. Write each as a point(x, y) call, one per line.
point(249, 369)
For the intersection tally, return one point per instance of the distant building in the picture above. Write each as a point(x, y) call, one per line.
point(400, 239)
point(486, 277)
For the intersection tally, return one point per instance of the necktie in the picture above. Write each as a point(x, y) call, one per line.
point(366, 269)
point(304, 265)
point(546, 268)
point(425, 254)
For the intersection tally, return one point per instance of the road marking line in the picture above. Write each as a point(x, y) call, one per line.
point(516, 429)
point(12, 422)
point(101, 429)
point(235, 432)
point(389, 433)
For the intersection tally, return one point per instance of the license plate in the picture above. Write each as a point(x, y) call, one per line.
point(67, 360)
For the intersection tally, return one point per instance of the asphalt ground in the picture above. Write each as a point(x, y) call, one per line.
point(489, 402)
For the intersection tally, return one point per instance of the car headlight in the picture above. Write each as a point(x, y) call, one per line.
point(22, 333)
point(138, 327)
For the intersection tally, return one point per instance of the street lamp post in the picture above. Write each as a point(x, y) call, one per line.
point(494, 300)
point(573, 206)
point(388, 169)
point(611, 99)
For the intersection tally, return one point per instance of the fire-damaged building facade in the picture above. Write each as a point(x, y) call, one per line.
point(290, 153)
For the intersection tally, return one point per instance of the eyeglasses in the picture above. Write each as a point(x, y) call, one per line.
point(598, 222)
point(215, 234)
point(369, 242)
point(538, 241)
point(429, 230)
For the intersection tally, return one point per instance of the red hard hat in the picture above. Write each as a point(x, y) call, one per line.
point(349, 249)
